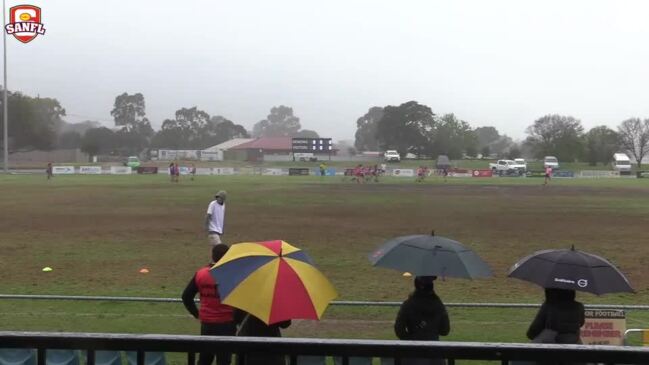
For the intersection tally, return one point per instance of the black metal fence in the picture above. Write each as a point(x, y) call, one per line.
point(295, 347)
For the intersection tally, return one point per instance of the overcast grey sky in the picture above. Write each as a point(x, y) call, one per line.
point(500, 63)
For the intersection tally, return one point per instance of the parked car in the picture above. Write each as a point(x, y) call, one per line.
point(521, 163)
point(133, 162)
point(443, 163)
point(507, 167)
point(551, 161)
point(391, 156)
point(622, 163)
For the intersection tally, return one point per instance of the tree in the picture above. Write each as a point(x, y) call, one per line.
point(452, 137)
point(556, 135)
point(69, 140)
point(129, 112)
point(218, 130)
point(366, 139)
point(485, 151)
point(472, 151)
point(279, 123)
point(306, 133)
point(33, 122)
point(497, 143)
point(600, 143)
point(514, 152)
point(634, 137)
point(193, 128)
point(98, 141)
point(406, 128)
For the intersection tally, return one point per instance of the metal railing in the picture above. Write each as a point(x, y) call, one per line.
point(294, 347)
point(353, 303)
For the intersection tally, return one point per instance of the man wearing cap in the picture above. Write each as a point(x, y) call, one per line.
point(215, 218)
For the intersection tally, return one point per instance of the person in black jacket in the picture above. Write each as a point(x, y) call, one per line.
point(562, 313)
point(254, 327)
point(422, 317)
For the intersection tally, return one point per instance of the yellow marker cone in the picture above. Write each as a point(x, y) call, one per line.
point(47, 269)
point(407, 274)
point(144, 271)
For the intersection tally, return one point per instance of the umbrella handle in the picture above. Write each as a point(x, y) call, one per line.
point(245, 320)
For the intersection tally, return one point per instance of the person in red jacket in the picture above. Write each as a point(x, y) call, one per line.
point(216, 318)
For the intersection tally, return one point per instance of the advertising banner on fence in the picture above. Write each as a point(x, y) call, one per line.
point(223, 171)
point(604, 327)
point(271, 172)
point(460, 173)
point(62, 170)
point(563, 173)
point(203, 171)
point(147, 170)
point(298, 171)
point(120, 170)
point(403, 172)
point(483, 173)
point(90, 170)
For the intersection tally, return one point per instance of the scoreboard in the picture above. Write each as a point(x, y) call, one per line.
point(312, 145)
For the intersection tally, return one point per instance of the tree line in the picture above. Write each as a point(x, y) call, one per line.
point(38, 124)
point(414, 128)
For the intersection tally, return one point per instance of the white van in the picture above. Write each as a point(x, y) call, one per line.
point(551, 161)
point(621, 163)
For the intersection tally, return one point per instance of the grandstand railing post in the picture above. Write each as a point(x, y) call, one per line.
point(40, 356)
point(90, 357)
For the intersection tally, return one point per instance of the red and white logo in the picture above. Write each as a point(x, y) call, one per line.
point(25, 22)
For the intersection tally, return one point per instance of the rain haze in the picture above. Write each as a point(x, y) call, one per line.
point(498, 63)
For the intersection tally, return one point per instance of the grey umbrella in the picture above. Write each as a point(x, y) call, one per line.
point(430, 255)
point(571, 269)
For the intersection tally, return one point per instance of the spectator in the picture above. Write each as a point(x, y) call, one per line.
point(559, 319)
point(255, 327)
point(216, 318)
point(215, 218)
point(422, 317)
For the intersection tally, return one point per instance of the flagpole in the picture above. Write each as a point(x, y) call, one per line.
point(4, 91)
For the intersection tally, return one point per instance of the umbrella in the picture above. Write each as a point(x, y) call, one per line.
point(272, 280)
point(430, 255)
point(571, 269)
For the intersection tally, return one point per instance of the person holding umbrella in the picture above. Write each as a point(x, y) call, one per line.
point(559, 319)
point(422, 317)
point(252, 326)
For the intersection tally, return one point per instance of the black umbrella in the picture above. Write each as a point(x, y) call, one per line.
point(571, 269)
point(424, 255)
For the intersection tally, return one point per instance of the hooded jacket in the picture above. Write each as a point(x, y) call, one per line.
point(422, 317)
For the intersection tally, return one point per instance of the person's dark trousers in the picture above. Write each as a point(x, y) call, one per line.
point(217, 329)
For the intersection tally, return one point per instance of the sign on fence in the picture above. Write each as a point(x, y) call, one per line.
point(563, 173)
point(604, 327)
point(223, 171)
point(63, 170)
point(147, 170)
point(90, 170)
point(272, 172)
point(460, 172)
point(203, 171)
point(403, 172)
point(120, 170)
point(295, 171)
point(483, 173)
point(599, 174)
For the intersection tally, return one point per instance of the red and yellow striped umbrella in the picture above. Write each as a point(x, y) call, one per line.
point(272, 280)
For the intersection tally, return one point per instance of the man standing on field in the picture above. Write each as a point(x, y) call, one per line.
point(215, 218)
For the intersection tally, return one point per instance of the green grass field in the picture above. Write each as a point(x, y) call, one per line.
point(97, 232)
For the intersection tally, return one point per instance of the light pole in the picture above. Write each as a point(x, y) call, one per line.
point(5, 115)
